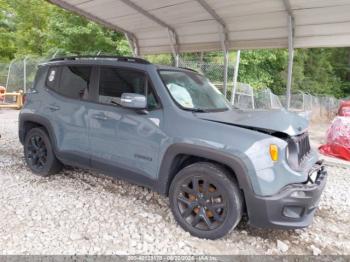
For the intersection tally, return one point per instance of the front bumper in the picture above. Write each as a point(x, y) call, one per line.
point(293, 207)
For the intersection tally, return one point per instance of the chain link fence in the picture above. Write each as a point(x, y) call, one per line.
point(19, 75)
point(3, 73)
point(248, 98)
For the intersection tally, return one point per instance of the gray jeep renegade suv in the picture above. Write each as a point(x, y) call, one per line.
point(171, 130)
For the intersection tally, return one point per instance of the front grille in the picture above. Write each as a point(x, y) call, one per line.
point(303, 147)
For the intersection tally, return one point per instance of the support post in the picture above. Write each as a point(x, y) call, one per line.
point(290, 59)
point(224, 46)
point(235, 77)
point(226, 60)
point(133, 44)
point(224, 37)
point(174, 44)
point(25, 74)
point(8, 73)
point(54, 55)
point(177, 60)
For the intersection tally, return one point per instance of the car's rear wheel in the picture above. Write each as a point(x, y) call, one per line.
point(205, 201)
point(39, 154)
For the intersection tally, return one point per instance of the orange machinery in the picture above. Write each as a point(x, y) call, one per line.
point(11, 100)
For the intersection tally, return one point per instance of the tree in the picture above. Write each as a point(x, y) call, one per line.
point(7, 38)
point(76, 35)
point(35, 27)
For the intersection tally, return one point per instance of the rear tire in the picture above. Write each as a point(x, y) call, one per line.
point(39, 154)
point(205, 201)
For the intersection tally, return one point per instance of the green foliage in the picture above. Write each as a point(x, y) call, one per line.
point(162, 59)
point(263, 68)
point(37, 28)
point(321, 71)
point(7, 39)
point(76, 35)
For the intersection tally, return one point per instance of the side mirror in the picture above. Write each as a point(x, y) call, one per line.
point(135, 101)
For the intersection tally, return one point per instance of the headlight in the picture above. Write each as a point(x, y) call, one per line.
point(274, 152)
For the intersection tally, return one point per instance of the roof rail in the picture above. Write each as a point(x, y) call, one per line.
point(118, 58)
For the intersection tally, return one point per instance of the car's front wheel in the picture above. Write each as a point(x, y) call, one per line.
point(39, 154)
point(205, 201)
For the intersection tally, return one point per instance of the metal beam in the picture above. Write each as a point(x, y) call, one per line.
point(9, 73)
point(226, 61)
point(133, 43)
point(217, 18)
point(174, 40)
point(25, 74)
point(235, 77)
point(290, 60)
point(90, 16)
point(288, 7)
point(174, 46)
point(223, 37)
point(291, 32)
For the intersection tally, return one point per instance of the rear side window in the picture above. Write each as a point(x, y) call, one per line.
point(116, 81)
point(74, 82)
point(52, 78)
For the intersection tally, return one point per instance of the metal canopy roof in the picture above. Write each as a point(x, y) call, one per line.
point(164, 26)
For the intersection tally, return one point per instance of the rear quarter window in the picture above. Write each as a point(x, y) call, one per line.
point(52, 78)
point(75, 82)
point(70, 81)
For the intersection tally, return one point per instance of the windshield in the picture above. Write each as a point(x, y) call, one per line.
point(193, 91)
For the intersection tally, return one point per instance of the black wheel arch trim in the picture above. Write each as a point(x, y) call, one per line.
point(69, 158)
point(239, 163)
point(234, 162)
point(27, 117)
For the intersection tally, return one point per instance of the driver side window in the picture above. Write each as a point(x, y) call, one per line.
point(116, 81)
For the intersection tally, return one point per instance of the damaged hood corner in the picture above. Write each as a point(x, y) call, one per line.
point(268, 121)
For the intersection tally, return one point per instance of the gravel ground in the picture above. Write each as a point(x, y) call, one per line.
point(80, 212)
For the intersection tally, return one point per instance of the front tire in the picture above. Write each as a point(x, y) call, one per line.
point(205, 201)
point(39, 154)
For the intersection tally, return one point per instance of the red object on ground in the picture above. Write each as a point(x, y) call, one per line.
point(2, 92)
point(338, 138)
point(344, 108)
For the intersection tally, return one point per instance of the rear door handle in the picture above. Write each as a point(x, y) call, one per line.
point(100, 117)
point(54, 107)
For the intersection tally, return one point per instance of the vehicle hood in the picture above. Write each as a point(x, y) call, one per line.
point(264, 121)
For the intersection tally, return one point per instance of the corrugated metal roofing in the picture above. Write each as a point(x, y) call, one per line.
point(247, 24)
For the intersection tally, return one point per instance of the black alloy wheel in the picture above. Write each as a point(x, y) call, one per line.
point(39, 154)
point(201, 203)
point(205, 200)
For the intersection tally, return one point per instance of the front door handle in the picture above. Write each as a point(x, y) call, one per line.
point(54, 107)
point(100, 117)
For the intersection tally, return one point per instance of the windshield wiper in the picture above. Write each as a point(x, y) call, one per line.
point(209, 110)
point(115, 103)
point(199, 110)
